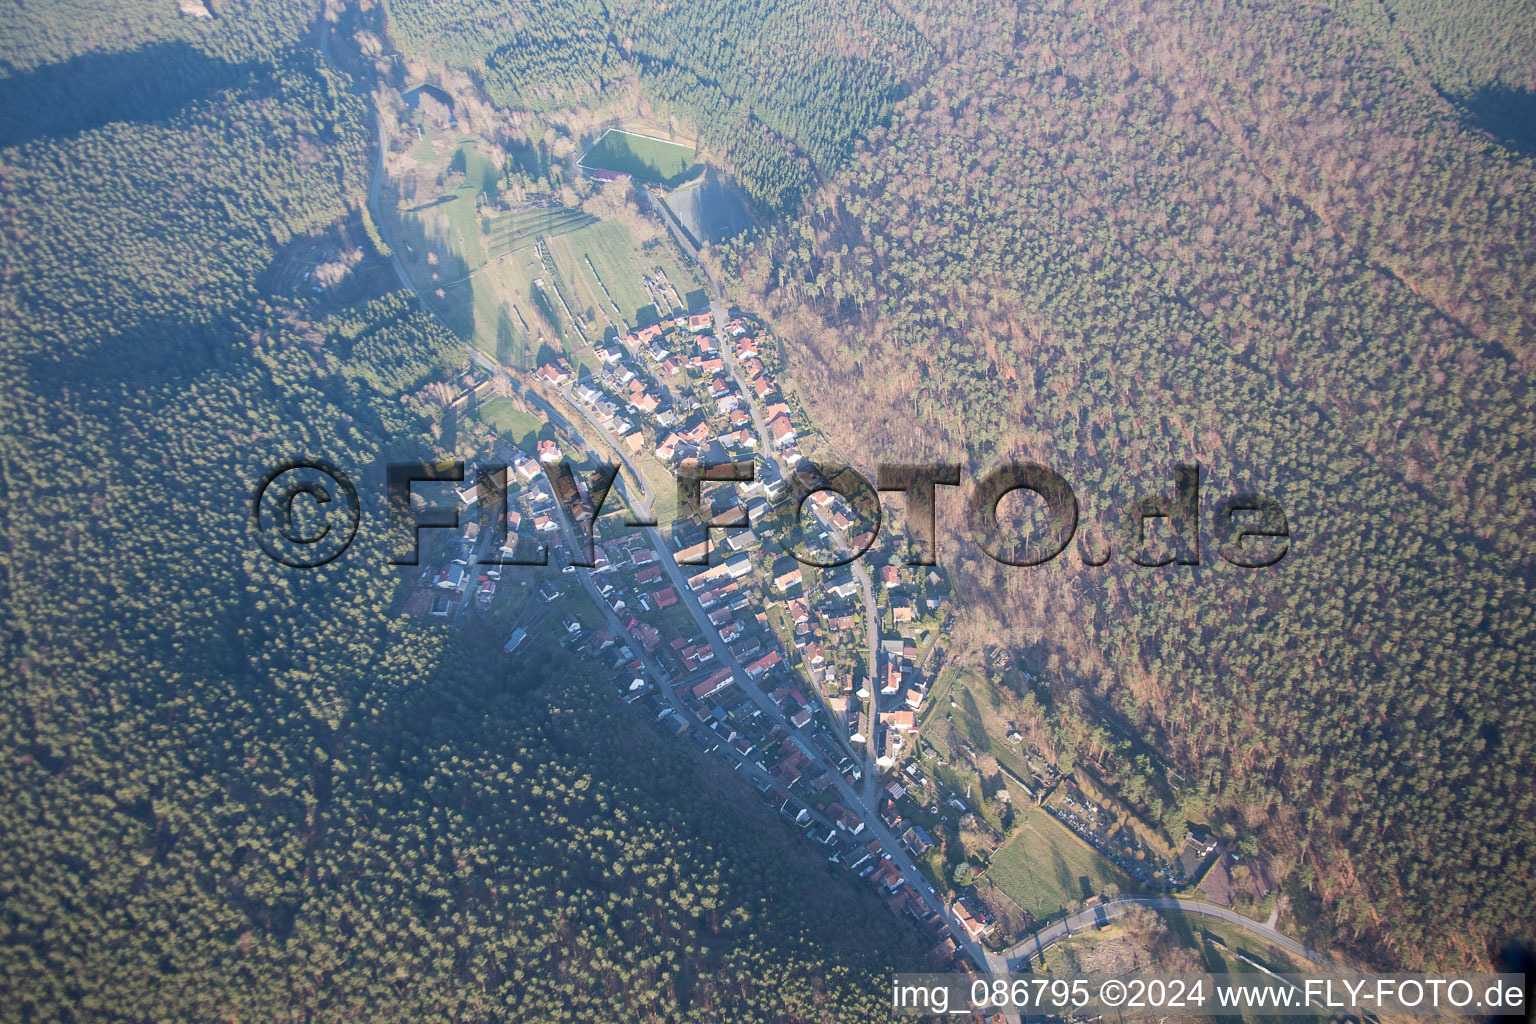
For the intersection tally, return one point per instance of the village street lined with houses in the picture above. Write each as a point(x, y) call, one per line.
point(855, 813)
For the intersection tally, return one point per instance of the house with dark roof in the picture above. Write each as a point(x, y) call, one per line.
point(917, 840)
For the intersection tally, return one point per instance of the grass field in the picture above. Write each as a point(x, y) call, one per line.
point(481, 177)
point(447, 251)
point(663, 485)
point(620, 266)
point(461, 216)
point(511, 423)
point(1044, 868)
point(521, 313)
point(641, 157)
point(978, 718)
point(610, 247)
point(580, 289)
point(480, 281)
point(521, 227)
point(480, 172)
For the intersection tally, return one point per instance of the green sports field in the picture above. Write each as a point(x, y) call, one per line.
point(642, 157)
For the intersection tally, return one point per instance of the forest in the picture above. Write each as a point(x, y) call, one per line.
point(1119, 237)
point(1292, 243)
point(238, 791)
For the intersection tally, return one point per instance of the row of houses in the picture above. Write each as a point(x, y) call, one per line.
point(722, 717)
point(632, 369)
point(469, 568)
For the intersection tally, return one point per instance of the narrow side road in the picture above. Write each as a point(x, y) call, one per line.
point(1020, 954)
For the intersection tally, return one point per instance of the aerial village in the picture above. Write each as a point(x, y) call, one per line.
point(810, 681)
point(721, 635)
point(813, 680)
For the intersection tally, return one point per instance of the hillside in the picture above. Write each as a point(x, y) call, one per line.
point(1115, 238)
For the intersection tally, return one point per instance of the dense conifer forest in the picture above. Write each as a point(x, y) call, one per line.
point(782, 91)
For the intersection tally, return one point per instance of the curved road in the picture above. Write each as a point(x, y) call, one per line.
point(1083, 920)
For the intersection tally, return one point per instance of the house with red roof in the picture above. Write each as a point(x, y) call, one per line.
point(763, 664)
point(713, 685)
point(780, 432)
point(973, 916)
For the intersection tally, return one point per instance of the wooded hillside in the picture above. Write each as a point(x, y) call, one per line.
point(1117, 237)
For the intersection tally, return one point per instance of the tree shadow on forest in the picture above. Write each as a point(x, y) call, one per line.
point(145, 85)
point(1509, 115)
point(157, 353)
